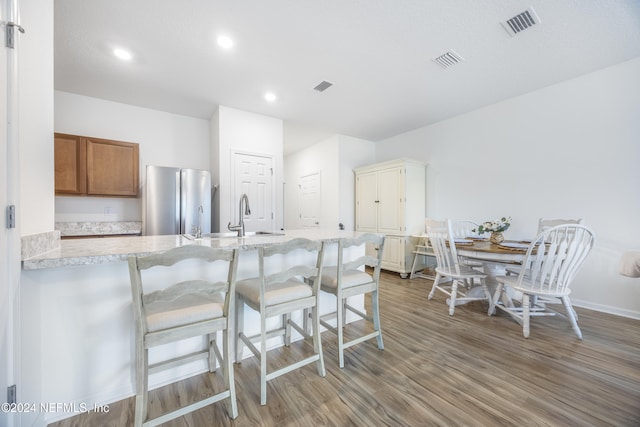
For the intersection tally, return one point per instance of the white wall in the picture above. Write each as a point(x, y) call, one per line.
point(318, 158)
point(35, 81)
point(165, 140)
point(335, 158)
point(241, 131)
point(354, 153)
point(566, 151)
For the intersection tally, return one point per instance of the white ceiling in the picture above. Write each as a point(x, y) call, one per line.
point(377, 53)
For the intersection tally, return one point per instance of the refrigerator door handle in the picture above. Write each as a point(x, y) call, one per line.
point(180, 205)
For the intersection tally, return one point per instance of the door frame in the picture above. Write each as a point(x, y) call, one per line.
point(10, 256)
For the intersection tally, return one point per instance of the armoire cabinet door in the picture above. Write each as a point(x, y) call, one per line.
point(391, 201)
point(367, 202)
point(393, 254)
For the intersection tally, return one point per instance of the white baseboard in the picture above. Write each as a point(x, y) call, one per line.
point(633, 314)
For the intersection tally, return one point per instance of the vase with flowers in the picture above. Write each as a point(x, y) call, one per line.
point(496, 228)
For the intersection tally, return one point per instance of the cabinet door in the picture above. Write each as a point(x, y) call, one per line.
point(371, 250)
point(391, 201)
point(393, 254)
point(70, 165)
point(367, 202)
point(112, 168)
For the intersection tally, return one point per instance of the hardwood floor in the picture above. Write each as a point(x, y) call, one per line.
point(436, 369)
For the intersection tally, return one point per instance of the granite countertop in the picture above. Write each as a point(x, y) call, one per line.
point(115, 249)
point(98, 228)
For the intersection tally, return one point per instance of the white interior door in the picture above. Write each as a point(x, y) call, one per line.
point(310, 200)
point(5, 291)
point(253, 176)
point(9, 195)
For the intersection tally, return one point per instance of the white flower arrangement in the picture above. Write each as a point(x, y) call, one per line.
point(494, 226)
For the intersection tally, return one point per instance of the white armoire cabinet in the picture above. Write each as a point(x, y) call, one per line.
point(391, 199)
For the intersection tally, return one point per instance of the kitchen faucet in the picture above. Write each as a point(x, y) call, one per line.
point(247, 211)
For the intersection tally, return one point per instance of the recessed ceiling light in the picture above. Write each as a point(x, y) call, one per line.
point(122, 54)
point(270, 96)
point(225, 42)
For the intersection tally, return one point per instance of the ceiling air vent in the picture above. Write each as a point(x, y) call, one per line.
point(324, 85)
point(521, 22)
point(448, 59)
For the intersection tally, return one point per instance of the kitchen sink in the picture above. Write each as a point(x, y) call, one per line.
point(263, 233)
point(234, 234)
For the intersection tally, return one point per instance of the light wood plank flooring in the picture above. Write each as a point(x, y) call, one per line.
point(468, 370)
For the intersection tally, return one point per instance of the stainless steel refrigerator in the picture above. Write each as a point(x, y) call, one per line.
point(177, 201)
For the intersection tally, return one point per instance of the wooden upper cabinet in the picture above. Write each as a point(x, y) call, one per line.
point(95, 167)
point(112, 168)
point(70, 164)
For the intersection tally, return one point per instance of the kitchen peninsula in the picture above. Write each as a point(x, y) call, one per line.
point(77, 322)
